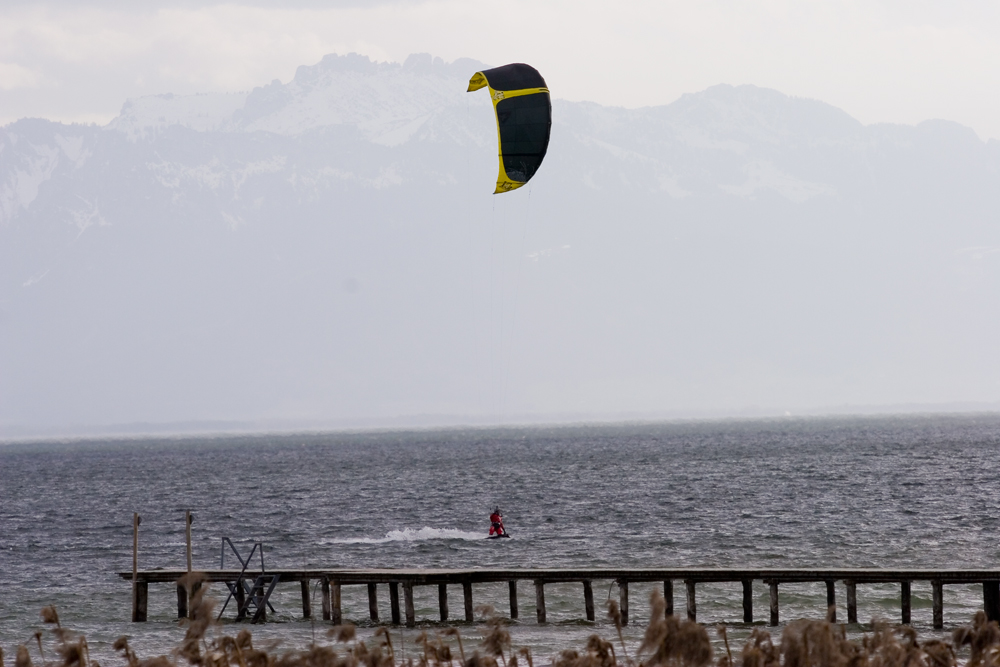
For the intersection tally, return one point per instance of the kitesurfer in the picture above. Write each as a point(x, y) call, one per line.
point(496, 523)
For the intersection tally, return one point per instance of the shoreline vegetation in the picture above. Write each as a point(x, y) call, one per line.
point(668, 641)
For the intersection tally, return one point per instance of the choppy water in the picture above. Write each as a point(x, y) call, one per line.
point(874, 492)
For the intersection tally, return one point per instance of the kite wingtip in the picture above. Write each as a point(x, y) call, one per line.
point(476, 82)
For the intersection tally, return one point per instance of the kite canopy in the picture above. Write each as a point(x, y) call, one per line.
point(524, 119)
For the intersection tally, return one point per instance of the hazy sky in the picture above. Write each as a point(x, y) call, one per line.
point(893, 60)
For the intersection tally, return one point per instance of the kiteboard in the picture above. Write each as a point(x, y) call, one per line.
point(496, 537)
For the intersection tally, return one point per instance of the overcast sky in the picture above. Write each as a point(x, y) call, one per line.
point(899, 61)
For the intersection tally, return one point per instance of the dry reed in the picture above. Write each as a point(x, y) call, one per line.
point(667, 642)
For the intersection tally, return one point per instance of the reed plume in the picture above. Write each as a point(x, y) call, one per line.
point(615, 616)
point(342, 633)
point(759, 650)
point(201, 617)
point(458, 636)
point(496, 638)
point(721, 631)
point(384, 633)
point(672, 642)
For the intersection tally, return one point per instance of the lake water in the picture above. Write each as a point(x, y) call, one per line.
point(839, 492)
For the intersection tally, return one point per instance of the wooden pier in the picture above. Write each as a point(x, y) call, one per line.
point(331, 582)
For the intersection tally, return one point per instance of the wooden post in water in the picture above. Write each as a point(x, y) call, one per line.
point(774, 601)
point(623, 599)
point(831, 600)
point(904, 602)
point(540, 600)
point(187, 535)
point(373, 602)
point(467, 596)
point(336, 613)
point(182, 601)
point(141, 600)
point(325, 586)
point(411, 618)
point(241, 601)
point(182, 593)
point(991, 600)
point(588, 599)
point(748, 600)
point(692, 604)
point(394, 601)
point(937, 597)
point(668, 597)
point(195, 587)
point(852, 601)
point(306, 602)
point(512, 585)
point(443, 601)
point(138, 597)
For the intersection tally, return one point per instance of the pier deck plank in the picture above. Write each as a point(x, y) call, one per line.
point(574, 575)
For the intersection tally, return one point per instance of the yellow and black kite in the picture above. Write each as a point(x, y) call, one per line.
point(524, 119)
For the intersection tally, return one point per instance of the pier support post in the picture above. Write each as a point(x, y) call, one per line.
point(373, 602)
point(623, 599)
point(394, 601)
point(140, 599)
point(692, 605)
point(187, 535)
point(195, 587)
point(540, 600)
point(306, 602)
point(668, 597)
point(937, 597)
point(136, 520)
point(831, 600)
point(512, 585)
point(336, 613)
point(467, 595)
point(748, 600)
point(411, 617)
point(443, 601)
point(904, 602)
point(773, 587)
point(852, 601)
point(991, 600)
point(182, 601)
point(588, 599)
point(325, 587)
point(241, 600)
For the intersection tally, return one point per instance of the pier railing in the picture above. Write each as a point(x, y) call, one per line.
point(332, 580)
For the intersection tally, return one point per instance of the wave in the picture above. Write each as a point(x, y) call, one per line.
point(410, 535)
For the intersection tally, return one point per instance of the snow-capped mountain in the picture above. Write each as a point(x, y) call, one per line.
point(387, 102)
point(328, 249)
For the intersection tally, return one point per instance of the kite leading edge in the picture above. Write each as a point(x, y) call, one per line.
point(524, 119)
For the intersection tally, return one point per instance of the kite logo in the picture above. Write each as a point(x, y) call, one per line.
point(498, 95)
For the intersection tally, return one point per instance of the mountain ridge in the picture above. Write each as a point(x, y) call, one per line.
point(334, 252)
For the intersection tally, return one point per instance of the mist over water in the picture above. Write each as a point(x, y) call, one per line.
point(844, 492)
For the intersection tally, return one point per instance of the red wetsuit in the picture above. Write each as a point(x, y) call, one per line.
point(496, 524)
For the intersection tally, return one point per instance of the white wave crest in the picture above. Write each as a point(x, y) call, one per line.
point(410, 535)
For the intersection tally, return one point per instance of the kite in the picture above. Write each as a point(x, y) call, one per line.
point(524, 119)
